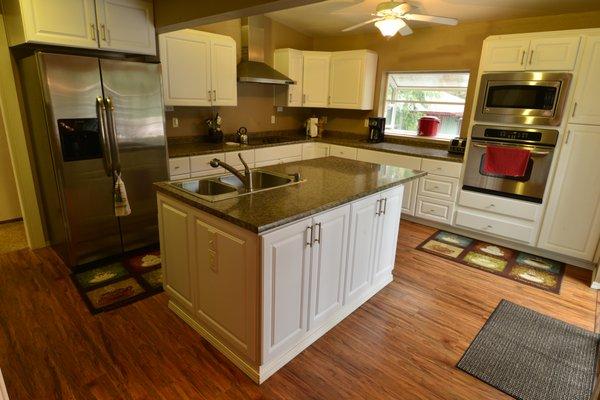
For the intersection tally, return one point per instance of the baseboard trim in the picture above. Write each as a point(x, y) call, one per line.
point(261, 373)
point(502, 242)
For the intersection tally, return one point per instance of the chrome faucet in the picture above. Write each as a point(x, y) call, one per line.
point(246, 178)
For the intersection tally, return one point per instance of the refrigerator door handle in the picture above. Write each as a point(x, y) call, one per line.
point(110, 107)
point(104, 142)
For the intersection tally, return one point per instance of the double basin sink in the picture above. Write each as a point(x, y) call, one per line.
point(228, 186)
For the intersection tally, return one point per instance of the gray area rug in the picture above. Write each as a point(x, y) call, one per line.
point(531, 356)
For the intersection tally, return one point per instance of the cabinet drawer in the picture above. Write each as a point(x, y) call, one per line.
point(202, 163)
point(494, 225)
point(439, 187)
point(232, 158)
point(434, 209)
point(179, 166)
point(445, 168)
point(343, 151)
point(277, 152)
point(500, 205)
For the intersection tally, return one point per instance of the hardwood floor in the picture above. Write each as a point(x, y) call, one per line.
point(402, 344)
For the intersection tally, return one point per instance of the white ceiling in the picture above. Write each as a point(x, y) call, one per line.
point(331, 16)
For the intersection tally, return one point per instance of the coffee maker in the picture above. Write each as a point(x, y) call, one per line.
point(376, 129)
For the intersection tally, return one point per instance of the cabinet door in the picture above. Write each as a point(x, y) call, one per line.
point(316, 79)
point(185, 58)
point(571, 225)
point(387, 234)
point(126, 25)
point(285, 277)
point(223, 56)
point(555, 53)
point(226, 268)
point(61, 22)
point(175, 253)
point(346, 79)
point(585, 106)
point(328, 264)
point(505, 54)
point(361, 257)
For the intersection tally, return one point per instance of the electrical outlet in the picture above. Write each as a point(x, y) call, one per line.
point(280, 109)
point(273, 119)
point(175, 122)
point(366, 122)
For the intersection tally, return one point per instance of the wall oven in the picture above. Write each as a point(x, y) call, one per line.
point(531, 185)
point(529, 98)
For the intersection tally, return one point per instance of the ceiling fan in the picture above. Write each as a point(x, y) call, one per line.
point(390, 17)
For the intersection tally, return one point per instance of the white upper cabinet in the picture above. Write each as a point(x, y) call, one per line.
point(352, 79)
point(126, 25)
point(315, 86)
point(121, 25)
point(553, 53)
point(572, 222)
point(223, 55)
point(289, 62)
point(504, 54)
point(585, 108)
point(186, 54)
point(199, 69)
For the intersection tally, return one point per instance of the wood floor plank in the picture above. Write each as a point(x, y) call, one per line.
point(404, 343)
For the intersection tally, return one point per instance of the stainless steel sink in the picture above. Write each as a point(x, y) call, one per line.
point(260, 180)
point(223, 187)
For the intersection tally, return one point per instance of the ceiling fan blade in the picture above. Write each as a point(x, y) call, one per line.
point(361, 24)
point(430, 18)
point(405, 30)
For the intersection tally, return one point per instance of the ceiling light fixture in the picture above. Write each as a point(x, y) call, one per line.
point(389, 26)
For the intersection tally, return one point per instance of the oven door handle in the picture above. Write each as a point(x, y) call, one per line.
point(533, 153)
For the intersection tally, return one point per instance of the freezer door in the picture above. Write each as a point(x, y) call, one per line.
point(133, 93)
point(73, 97)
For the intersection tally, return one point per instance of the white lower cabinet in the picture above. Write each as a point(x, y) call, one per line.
point(314, 150)
point(261, 299)
point(434, 209)
point(343, 151)
point(572, 222)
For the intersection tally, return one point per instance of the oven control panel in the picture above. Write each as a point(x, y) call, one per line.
point(532, 136)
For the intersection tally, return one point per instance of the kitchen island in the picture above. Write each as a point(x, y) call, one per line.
point(262, 276)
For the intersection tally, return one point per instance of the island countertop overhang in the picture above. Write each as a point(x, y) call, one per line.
point(329, 182)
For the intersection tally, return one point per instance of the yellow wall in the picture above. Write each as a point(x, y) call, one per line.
point(438, 48)
point(255, 101)
point(9, 198)
point(17, 142)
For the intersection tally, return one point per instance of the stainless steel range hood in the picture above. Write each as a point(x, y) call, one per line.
point(252, 68)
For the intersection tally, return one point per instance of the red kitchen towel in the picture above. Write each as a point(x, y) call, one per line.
point(506, 161)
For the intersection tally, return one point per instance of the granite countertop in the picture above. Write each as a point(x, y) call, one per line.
point(410, 148)
point(329, 182)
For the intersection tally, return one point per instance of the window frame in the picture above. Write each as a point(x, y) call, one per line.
point(410, 134)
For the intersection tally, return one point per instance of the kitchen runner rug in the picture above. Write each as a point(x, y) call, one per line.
point(119, 281)
point(531, 356)
point(516, 265)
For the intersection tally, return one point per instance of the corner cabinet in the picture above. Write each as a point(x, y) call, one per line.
point(552, 53)
point(351, 83)
point(116, 25)
point(199, 68)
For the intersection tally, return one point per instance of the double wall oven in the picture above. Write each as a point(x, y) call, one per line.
point(521, 102)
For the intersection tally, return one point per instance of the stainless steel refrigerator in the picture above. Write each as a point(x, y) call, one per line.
point(89, 118)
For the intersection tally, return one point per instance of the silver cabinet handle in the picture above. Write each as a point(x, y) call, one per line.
point(317, 239)
point(93, 26)
point(209, 95)
point(290, 98)
point(104, 141)
point(568, 135)
point(378, 207)
point(214, 95)
point(303, 98)
point(531, 57)
point(103, 32)
point(309, 237)
point(112, 128)
point(574, 109)
point(523, 57)
point(384, 206)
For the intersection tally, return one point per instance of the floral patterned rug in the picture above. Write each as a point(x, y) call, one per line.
point(119, 281)
point(512, 264)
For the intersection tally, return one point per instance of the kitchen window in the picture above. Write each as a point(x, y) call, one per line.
point(410, 96)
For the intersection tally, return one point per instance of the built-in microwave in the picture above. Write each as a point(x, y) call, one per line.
point(529, 98)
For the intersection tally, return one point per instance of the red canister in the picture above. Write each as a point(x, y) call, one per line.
point(428, 126)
